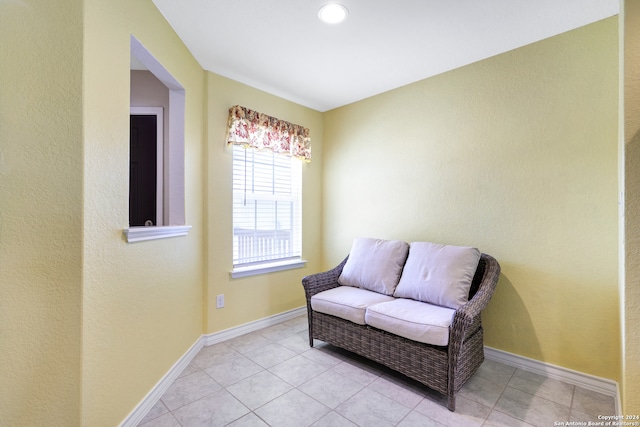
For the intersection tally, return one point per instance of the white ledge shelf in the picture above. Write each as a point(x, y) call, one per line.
point(141, 234)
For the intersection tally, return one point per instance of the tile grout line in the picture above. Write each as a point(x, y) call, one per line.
point(493, 408)
point(289, 332)
point(570, 407)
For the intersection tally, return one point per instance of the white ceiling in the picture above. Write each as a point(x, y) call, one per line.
point(281, 47)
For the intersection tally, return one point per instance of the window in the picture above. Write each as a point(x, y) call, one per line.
point(266, 208)
point(267, 180)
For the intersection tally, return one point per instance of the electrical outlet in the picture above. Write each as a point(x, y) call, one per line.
point(220, 301)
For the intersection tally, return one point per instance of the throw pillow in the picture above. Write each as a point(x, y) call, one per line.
point(374, 264)
point(438, 274)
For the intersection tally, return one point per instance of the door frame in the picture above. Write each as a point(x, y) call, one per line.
point(158, 112)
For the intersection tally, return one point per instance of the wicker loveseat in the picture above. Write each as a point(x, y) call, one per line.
point(442, 357)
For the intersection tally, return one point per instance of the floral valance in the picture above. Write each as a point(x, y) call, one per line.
point(253, 129)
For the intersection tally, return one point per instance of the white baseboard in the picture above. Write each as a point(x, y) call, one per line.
point(227, 334)
point(139, 412)
point(590, 382)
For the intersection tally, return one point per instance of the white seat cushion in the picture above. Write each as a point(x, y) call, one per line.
point(375, 264)
point(414, 320)
point(438, 274)
point(346, 302)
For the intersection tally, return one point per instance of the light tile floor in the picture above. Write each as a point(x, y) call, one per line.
point(273, 378)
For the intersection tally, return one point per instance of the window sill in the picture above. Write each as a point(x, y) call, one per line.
point(140, 234)
point(254, 270)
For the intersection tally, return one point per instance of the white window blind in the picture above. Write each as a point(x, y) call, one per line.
point(266, 207)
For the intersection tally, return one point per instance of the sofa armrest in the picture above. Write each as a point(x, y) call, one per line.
point(319, 282)
point(469, 314)
point(487, 286)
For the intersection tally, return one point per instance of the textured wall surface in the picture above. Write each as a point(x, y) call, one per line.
point(40, 212)
point(631, 313)
point(516, 155)
point(256, 297)
point(142, 302)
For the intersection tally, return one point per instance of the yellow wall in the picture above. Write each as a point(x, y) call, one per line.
point(95, 322)
point(142, 302)
point(252, 298)
point(40, 212)
point(516, 155)
point(631, 304)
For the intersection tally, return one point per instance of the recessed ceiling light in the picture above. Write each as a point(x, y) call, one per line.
point(332, 13)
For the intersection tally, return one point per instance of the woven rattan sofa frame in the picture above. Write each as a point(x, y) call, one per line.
point(444, 369)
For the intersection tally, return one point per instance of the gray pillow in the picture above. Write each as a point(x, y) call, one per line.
point(375, 264)
point(438, 274)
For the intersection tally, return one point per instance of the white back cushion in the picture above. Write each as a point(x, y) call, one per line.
point(374, 264)
point(438, 274)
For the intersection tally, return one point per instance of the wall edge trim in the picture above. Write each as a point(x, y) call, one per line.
point(580, 379)
point(236, 331)
point(587, 381)
point(143, 408)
